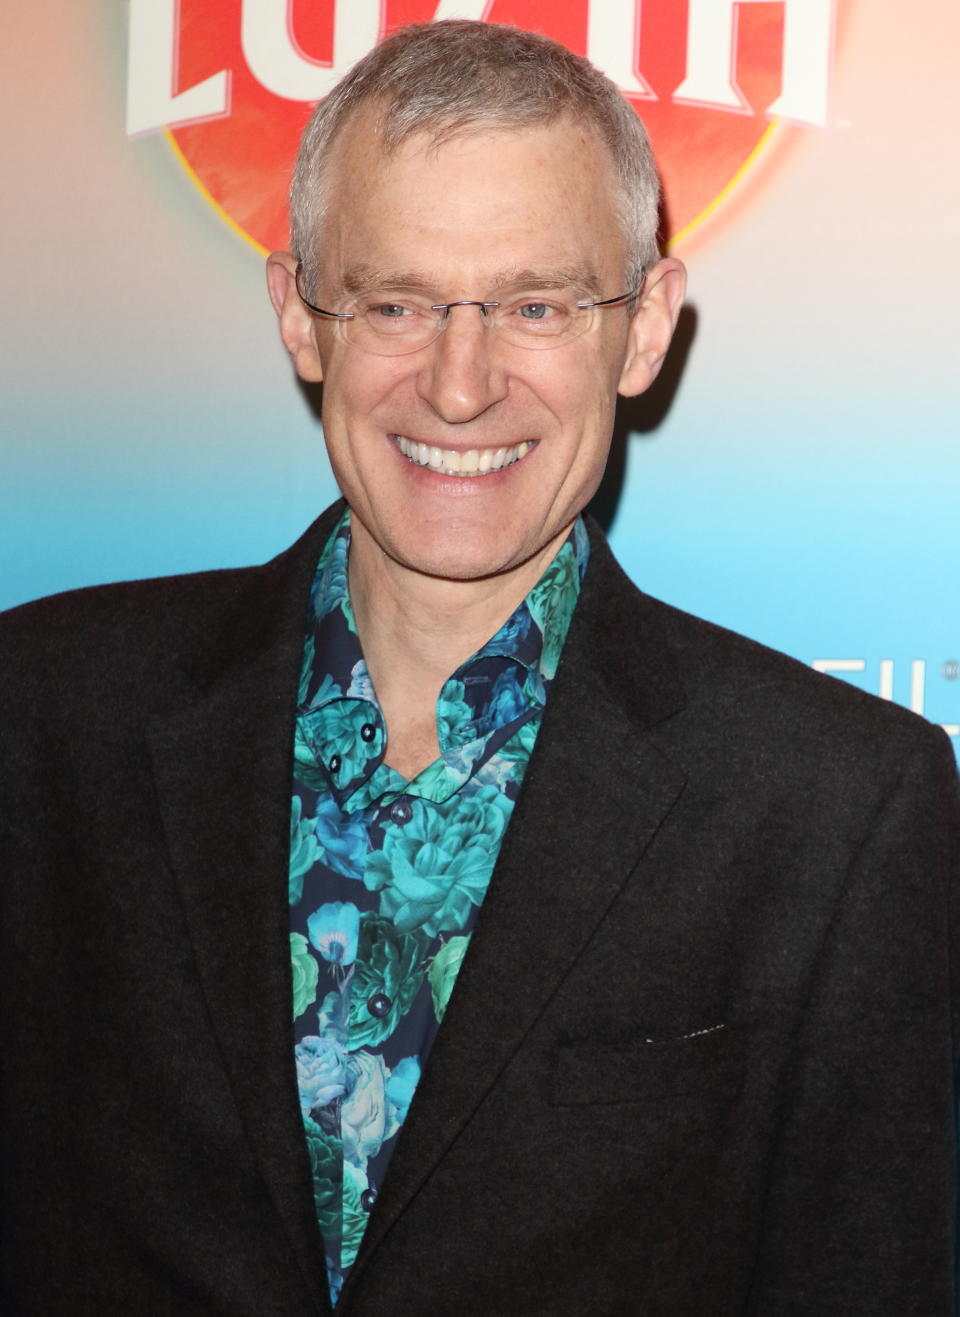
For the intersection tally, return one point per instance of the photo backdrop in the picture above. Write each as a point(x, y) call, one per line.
point(795, 477)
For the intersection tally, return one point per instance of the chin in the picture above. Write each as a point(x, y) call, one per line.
point(458, 565)
point(463, 548)
point(462, 557)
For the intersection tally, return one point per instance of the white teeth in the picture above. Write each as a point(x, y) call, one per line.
point(451, 462)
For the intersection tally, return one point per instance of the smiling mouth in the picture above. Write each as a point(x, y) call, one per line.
point(451, 462)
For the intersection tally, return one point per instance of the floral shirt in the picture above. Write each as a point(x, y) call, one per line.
point(387, 875)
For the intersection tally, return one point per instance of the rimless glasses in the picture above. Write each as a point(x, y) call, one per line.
point(390, 323)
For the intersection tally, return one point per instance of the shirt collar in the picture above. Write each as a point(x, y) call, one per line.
point(341, 732)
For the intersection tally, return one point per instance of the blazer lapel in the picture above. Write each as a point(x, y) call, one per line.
point(223, 768)
point(593, 798)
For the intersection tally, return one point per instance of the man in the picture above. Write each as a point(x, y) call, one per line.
point(620, 945)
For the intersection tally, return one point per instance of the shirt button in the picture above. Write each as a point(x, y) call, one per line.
point(368, 1198)
point(379, 1005)
point(367, 732)
point(334, 764)
point(401, 811)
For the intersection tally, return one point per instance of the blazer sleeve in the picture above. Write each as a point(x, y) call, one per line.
point(859, 1215)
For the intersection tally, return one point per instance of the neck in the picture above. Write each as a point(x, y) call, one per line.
point(416, 630)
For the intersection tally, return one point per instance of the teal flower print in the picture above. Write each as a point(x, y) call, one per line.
point(512, 634)
point(355, 1216)
point(341, 733)
point(322, 1074)
point(303, 849)
point(341, 838)
point(366, 1118)
point(325, 1165)
point(306, 767)
point(361, 683)
point(306, 974)
point(330, 584)
point(453, 713)
point(581, 545)
point(391, 964)
point(328, 691)
point(507, 700)
point(306, 669)
point(508, 764)
point(551, 603)
point(333, 930)
point(443, 971)
point(439, 780)
point(332, 1015)
point(402, 1085)
point(432, 871)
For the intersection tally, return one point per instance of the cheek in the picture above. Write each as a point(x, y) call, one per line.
point(578, 382)
point(583, 402)
point(354, 385)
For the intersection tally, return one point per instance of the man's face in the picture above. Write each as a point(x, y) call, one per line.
point(476, 217)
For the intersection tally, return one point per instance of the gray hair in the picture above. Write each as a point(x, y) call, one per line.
point(459, 75)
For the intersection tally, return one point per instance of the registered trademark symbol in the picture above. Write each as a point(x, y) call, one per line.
point(951, 669)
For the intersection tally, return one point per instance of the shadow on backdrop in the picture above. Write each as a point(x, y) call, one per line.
point(312, 396)
point(640, 417)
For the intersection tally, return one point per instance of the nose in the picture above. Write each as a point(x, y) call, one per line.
point(463, 374)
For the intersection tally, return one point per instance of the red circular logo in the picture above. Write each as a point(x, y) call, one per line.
point(713, 80)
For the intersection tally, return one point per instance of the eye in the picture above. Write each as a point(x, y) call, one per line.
point(383, 315)
point(535, 311)
point(538, 317)
point(391, 310)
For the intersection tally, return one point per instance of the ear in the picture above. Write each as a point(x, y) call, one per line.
point(297, 327)
point(652, 326)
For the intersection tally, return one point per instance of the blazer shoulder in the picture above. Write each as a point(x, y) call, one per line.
point(133, 631)
point(735, 681)
point(127, 622)
point(95, 607)
point(738, 701)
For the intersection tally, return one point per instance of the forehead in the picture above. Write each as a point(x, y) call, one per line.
point(473, 205)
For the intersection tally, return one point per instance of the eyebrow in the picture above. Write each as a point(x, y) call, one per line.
point(562, 276)
point(362, 278)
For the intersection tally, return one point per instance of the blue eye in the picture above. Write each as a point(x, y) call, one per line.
point(392, 310)
point(534, 311)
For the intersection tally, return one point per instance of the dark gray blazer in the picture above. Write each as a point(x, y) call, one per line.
point(698, 1060)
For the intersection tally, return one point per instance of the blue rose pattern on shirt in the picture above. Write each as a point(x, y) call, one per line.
point(387, 876)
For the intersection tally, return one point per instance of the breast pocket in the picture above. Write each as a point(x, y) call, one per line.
point(707, 1061)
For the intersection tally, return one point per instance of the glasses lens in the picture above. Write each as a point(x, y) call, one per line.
point(391, 325)
point(542, 320)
